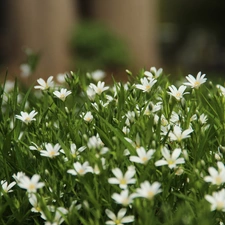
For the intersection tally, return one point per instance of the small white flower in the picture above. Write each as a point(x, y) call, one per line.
point(34, 202)
point(156, 72)
point(91, 94)
point(148, 190)
point(177, 134)
point(25, 70)
point(62, 94)
point(17, 177)
point(177, 93)
point(35, 147)
point(216, 177)
point(6, 188)
point(143, 156)
point(27, 118)
point(221, 88)
point(61, 77)
point(152, 108)
point(74, 151)
point(88, 117)
point(203, 118)
point(80, 169)
point(51, 151)
point(122, 180)
point(195, 82)
point(99, 88)
point(170, 159)
point(217, 200)
point(146, 84)
point(45, 85)
point(96, 75)
point(118, 219)
point(123, 198)
point(31, 185)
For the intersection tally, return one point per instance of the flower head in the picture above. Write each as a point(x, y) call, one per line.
point(177, 134)
point(118, 219)
point(143, 156)
point(170, 159)
point(62, 94)
point(80, 169)
point(148, 190)
point(195, 82)
point(146, 84)
point(216, 177)
point(31, 185)
point(27, 118)
point(217, 200)
point(99, 88)
point(96, 75)
point(177, 93)
point(123, 198)
point(6, 188)
point(51, 151)
point(45, 85)
point(123, 180)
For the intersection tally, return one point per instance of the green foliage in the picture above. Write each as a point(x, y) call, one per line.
point(124, 119)
point(96, 47)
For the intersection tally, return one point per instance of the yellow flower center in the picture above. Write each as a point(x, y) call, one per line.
point(117, 221)
point(31, 187)
point(150, 194)
point(170, 161)
point(144, 159)
point(196, 83)
point(123, 181)
point(218, 180)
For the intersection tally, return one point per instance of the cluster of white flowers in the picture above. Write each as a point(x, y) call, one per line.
point(154, 133)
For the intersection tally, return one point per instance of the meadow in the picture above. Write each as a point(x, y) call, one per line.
point(145, 152)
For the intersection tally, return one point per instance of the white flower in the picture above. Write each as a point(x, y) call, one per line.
point(221, 88)
point(35, 147)
point(99, 88)
point(177, 134)
point(34, 202)
point(25, 70)
point(170, 160)
point(177, 93)
point(195, 82)
point(123, 198)
point(62, 94)
point(203, 118)
point(74, 151)
point(88, 117)
point(148, 190)
point(143, 156)
point(97, 75)
point(27, 118)
point(17, 177)
point(31, 185)
point(45, 85)
point(217, 200)
point(9, 85)
point(6, 188)
point(51, 151)
point(118, 219)
point(122, 180)
point(61, 77)
point(146, 84)
point(80, 169)
point(58, 213)
point(216, 177)
point(152, 108)
point(91, 94)
point(156, 72)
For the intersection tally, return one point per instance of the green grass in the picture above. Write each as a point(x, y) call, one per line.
point(84, 199)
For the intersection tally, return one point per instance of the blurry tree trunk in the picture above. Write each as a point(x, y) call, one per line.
point(42, 26)
point(136, 22)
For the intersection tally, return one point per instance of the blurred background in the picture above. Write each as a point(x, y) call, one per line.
point(46, 38)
